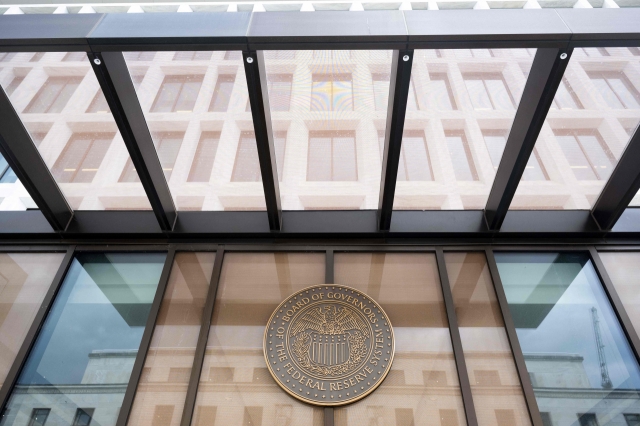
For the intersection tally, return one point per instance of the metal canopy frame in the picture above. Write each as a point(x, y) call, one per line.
point(105, 36)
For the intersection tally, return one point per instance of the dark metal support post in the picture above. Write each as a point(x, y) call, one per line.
point(396, 109)
point(616, 302)
point(456, 341)
point(114, 78)
point(256, 74)
point(545, 76)
point(201, 346)
point(621, 187)
point(516, 350)
point(32, 334)
point(145, 343)
point(25, 160)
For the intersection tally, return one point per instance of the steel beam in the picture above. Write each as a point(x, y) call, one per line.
point(114, 78)
point(621, 187)
point(25, 160)
point(400, 80)
point(255, 71)
point(545, 76)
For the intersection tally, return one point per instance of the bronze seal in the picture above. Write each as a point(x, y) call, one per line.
point(329, 345)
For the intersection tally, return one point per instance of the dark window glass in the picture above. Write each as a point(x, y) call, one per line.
point(434, 378)
point(83, 417)
point(332, 156)
point(546, 418)
point(85, 350)
point(205, 156)
point(222, 93)
point(178, 93)
point(247, 165)
point(570, 337)
point(54, 95)
point(82, 157)
point(38, 416)
point(192, 56)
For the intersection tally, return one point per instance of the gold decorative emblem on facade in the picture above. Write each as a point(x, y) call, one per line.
point(329, 345)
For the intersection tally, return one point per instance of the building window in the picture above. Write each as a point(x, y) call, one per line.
point(179, 374)
point(82, 157)
point(11, 87)
point(280, 142)
point(434, 377)
point(332, 156)
point(75, 57)
point(83, 417)
point(37, 57)
point(279, 86)
point(247, 165)
point(404, 417)
point(178, 93)
point(587, 154)
point(505, 418)
point(441, 91)
point(588, 419)
point(280, 54)
point(206, 415)
point(395, 378)
point(381, 91)
point(565, 97)
point(162, 415)
point(616, 89)
point(39, 416)
point(635, 51)
point(449, 418)
point(632, 419)
point(222, 93)
point(487, 377)
point(415, 162)
point(6, 173)
point(460, 155)
point(221, 374)
point(339, 56)
point(54, 95)
point(496, 140)
point(332, 92)
point(488, 91)
point(192, 56)
point(412, 99)
point(139, 56)
point(261, 376)
point(232, 55)
point(202, 165)
point(99, 104)
point(252, 416)
point(167, 145)
point(546, 418)
point(7, 56)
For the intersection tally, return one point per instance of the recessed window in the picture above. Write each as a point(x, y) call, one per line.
point(247, 165)
point(505, 418)
point(192, 56)
point(380, 91)
point(7, 56)
point(588, 419)
point(178, 93)
point(39, 416)
point(83, 417)
point(279, 86)
point(460, 155)
point(616, 89)
point(487, 377)
point(82, 157)
point(565, 97)
point(496, 140)
point(11, 87)
point(449, 418)
point(162, 415)
point(332, 92)
point(167, 145)
point(54, 95)
point(332, 156)
point(202, 165)
point(415, 163)
point(280, 142)
point(139, 56)
point(99, 104)
point(440, 89)
point(179, 374)
point(75, 57)
point(232, 55)
point(6, 173)
point(37, 56)
point(587, 154)
point(488, 91)
point(222, 93)
point(434, 377)
point(252, 416)
point(261, 376)
point(404, 417)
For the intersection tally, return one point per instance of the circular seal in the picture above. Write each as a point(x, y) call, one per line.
point(329, 345)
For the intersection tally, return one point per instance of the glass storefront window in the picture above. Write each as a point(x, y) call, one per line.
point(423, 381)
point(495, 385)
point(162, 388)
point(235, 386)
point(581, 366)
point(79, 367)
point(24, 281)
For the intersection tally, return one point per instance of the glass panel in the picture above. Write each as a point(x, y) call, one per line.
point(62, 106)
point(586, 130)
point(80, 364)
point(423, 381)
point(235, 386)
point(24, 281)
point(466, 100)
point(581, 366)
point(495, 385)
point(335, 105)
point(200, 100)
point(163, 386)
point(624, 270)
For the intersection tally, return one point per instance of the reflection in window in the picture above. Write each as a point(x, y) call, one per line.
point(75, 57)
point(205, 415)
point(440, 90)
point(332, 156)
point(221, 375)
point(488, 91)
point(460, 155)
point(565, 97)
point(279, 86)
point(6, 173)
point(54, 95)
point(232, 55)
point(83, 417)
point(496, 140)
point(415, 164)
point(449, 418)
point(222, 93)
point(178, 93)
point(84, 353)
point(162, 415)
point(82, 157)
point(139, 56)
point(332, 92)
point(570, 337)
point(280, 142)
point(192, 56)
point(434, 378)
point(404, 417)
point(11, 87)
point(167, 145)
point(7, 56)
point(380, 91)
point(247, 165)
point(587, 154)
point(202, 165)
point(39, 416)
point(616, 89)
point(99, 103)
